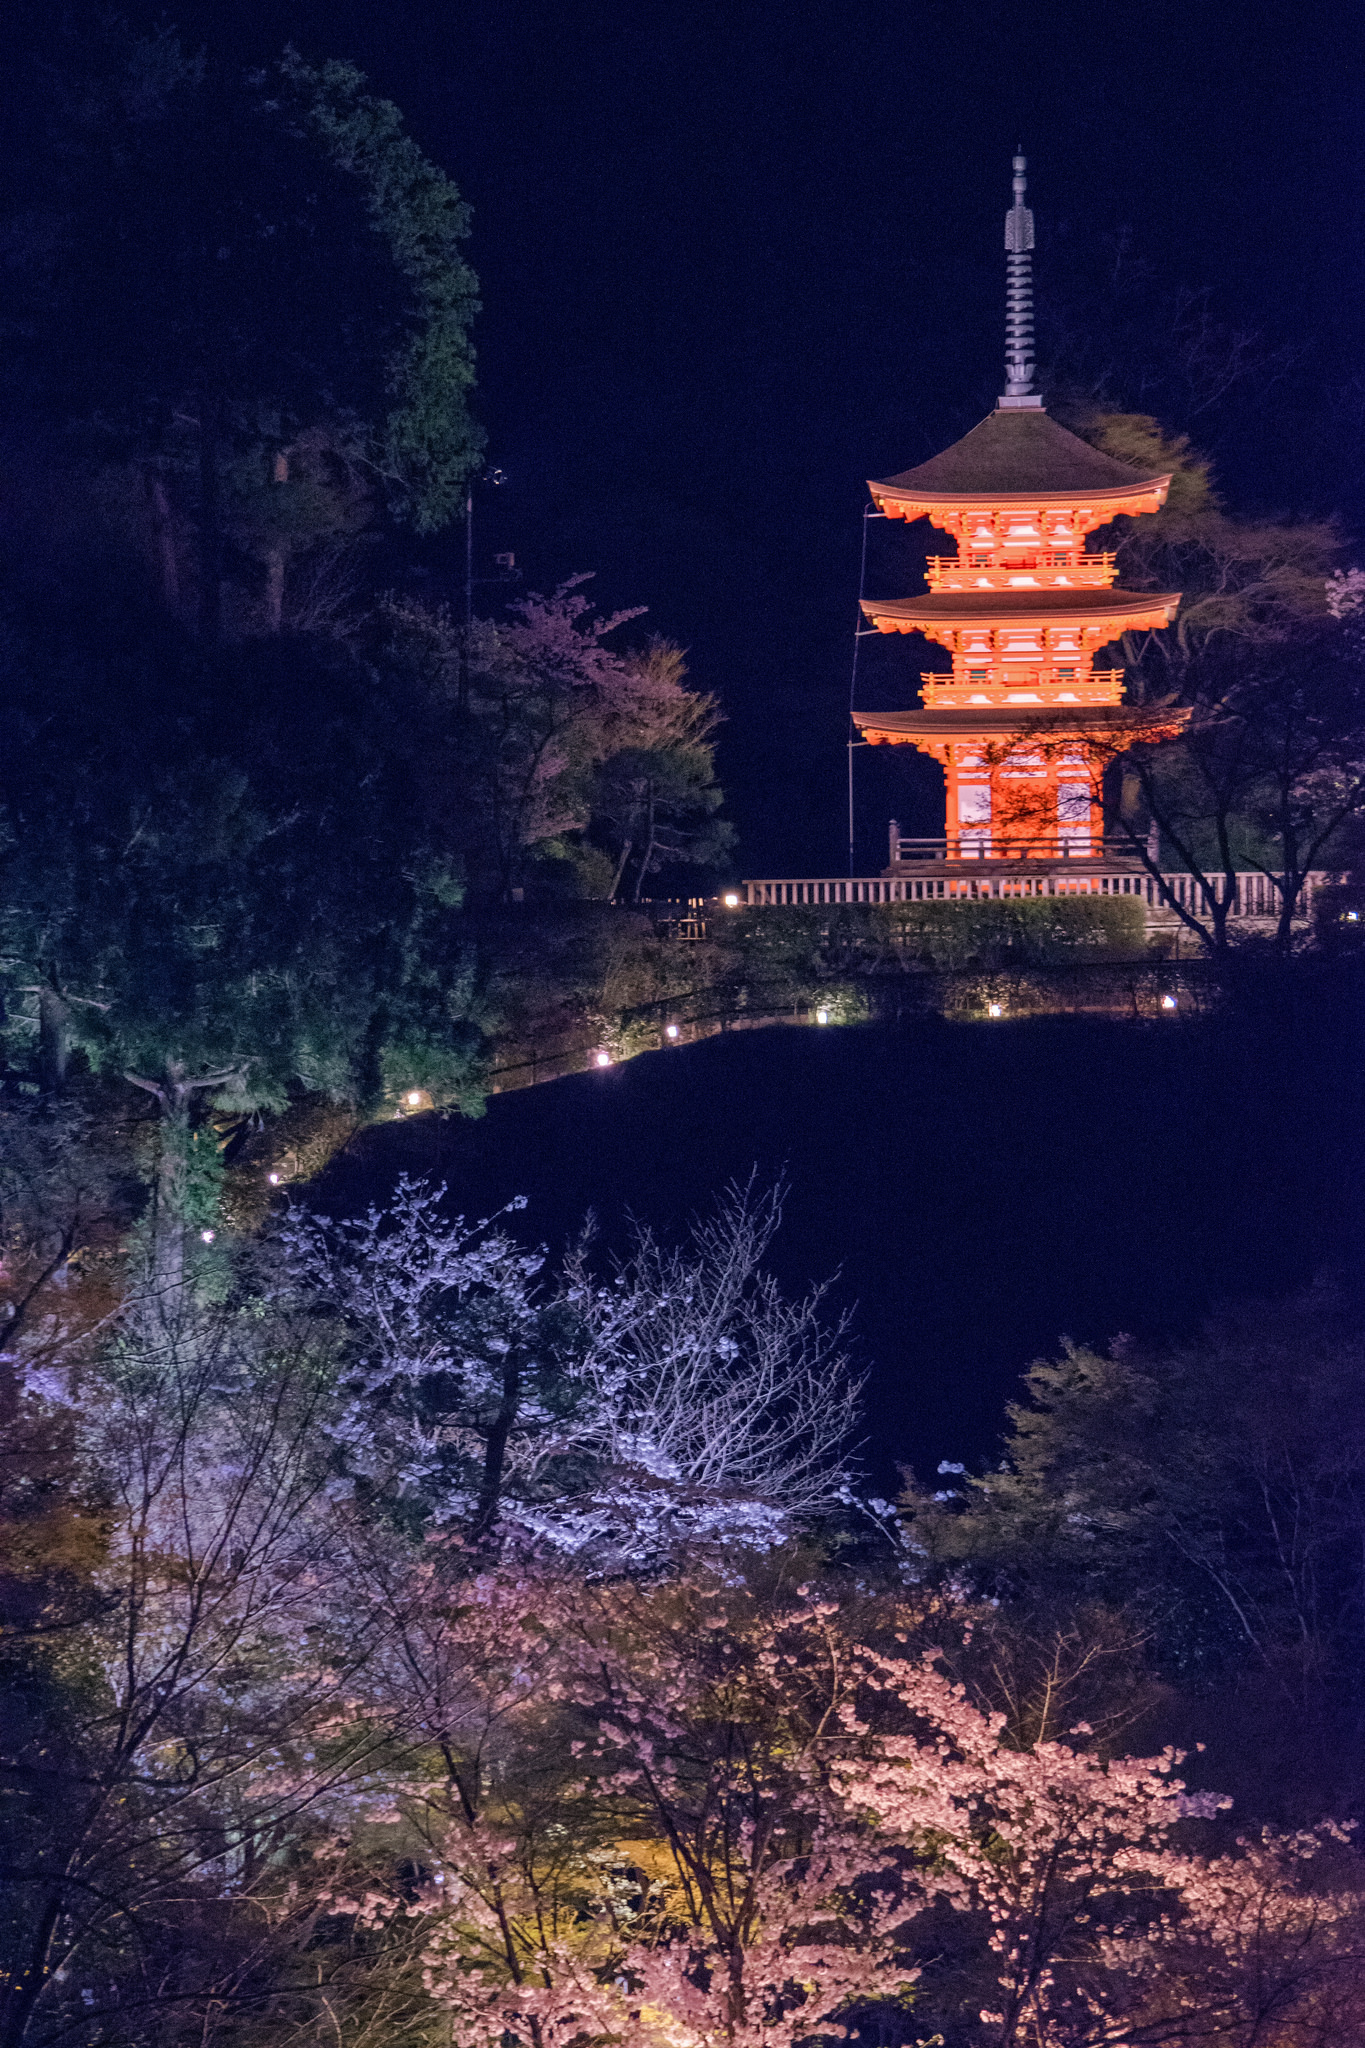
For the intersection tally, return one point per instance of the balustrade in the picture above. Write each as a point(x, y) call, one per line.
point(994, 877)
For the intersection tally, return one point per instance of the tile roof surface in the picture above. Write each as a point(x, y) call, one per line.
point(1011, 454)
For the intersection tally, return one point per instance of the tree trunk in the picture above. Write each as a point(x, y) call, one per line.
point(54, 1039)
point(26, 1984)
point(495, 1450)
point(168, 1196)
point(274, 590)
point(620, 869)
point(649, 851)
point(175, 1093)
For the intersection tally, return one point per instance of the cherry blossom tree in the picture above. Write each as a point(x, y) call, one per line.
point(764, 1815)
point(204, 1719)
point(562, 732)
point(684, 1400)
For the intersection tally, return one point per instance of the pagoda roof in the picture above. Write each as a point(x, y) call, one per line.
point(1020, 454)
point(939, 608)
point(985, 721)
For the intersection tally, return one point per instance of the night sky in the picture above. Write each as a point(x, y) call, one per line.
point(736, 259)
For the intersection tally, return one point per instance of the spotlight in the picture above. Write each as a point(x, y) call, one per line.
point(822, 1016)
point(604, 1059)
point(414, 1097)
point(207, 1235)
point(274, 1179)
point(994, 1010)
point(1168, 1002)
point(731, 899)
point(670, 1031)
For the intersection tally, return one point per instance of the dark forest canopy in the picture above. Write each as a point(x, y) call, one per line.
point(242, 299)
point(248, 788)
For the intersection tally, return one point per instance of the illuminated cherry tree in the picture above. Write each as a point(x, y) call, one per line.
point(689, 1817)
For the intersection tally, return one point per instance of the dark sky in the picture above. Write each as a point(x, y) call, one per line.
point(736, 258)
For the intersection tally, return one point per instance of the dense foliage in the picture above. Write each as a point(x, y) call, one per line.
point(403, 1637)
point(1266, 655)
point(1212, 1494)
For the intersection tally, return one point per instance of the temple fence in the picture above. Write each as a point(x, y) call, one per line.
point(1256, 896)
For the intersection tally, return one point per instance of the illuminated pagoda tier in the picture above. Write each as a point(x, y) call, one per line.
point(1024, 723)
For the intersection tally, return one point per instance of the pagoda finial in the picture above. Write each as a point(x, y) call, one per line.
point(1019, 298)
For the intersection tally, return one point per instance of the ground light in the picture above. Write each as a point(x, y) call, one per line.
point(207, 1235)
point(1168, 1002)
point(274, 1179)
point(994, 1010)
point(414, 1097)
point(604, 1059)
point(670, 1031)
point(822, 1016)
point(731, 900)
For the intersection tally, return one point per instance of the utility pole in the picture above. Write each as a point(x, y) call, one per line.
point(462, 681)
point(489, 476)
point(859, 633)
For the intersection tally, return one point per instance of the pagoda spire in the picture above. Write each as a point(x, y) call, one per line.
point(1018, 393)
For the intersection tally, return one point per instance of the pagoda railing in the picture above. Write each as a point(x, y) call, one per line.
point(1093, 679)
point(1041, 558)
point(983, 844)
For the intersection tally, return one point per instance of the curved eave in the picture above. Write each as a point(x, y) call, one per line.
point(1112, 613)
point(984, 721)
point(1100, 504)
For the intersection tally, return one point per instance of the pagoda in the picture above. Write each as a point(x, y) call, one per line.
point(1023, 724)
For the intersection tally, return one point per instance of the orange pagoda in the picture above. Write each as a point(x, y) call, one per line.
point(1024, 722)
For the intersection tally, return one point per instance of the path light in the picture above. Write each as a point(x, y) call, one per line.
point(994, 1010)
point(207, 1236)
point(670, 1031)
point(731, 900)
point(822, 1016)
point(1168, 1002)
point(604, 1059)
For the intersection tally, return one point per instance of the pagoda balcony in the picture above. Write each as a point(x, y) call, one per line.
point(999, 846)
point(1049, 568)
point(1096, 686)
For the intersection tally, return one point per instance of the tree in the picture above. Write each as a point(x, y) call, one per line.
point(225, 872)
point(683, 1402)
point(1270, 768)
point(566, 743)
point(244, 295)
point(747, 1818)
point(167, 1749)
point(655, 796)
point(1214, 1491)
